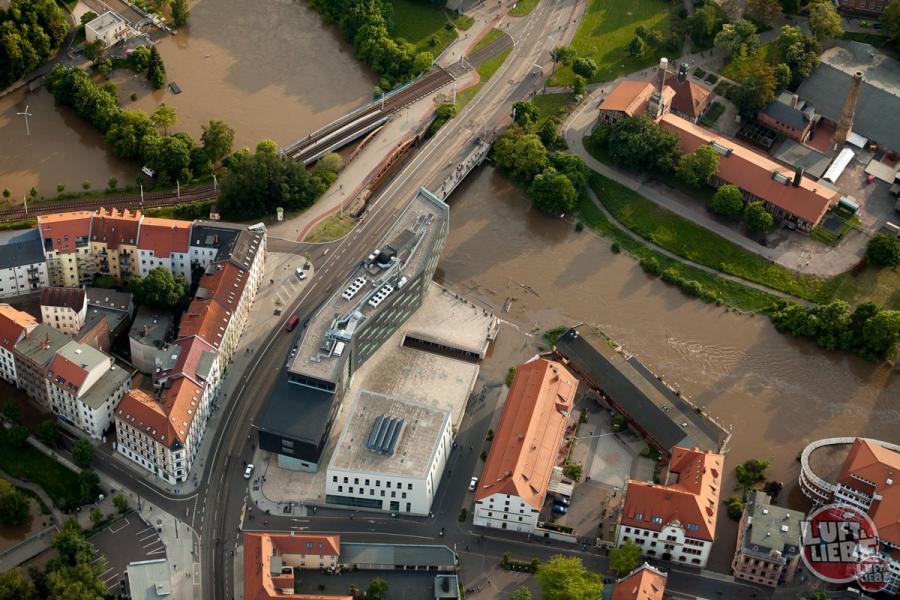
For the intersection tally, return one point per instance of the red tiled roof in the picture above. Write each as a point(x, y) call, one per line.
point(13, 325)
point(115, 228)
point(644, 583)
point(73, 298)
point(164, 236)
point(145, 414)
point(224, 285)
point(630, 97)
point(191, 351)
point(206, 319)
point(693, 500)
point(527, 443)
point(752, 171)
point(66, 374)
point(63, 228)
point(327, 545)
point(690, 98)
point(880, 466)
point(258, 581)
point(180, 402)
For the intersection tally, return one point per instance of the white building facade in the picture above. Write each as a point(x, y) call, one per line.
point(505, 511)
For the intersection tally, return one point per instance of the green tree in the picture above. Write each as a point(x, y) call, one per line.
point(120, 503)
point(824, 20)
point(549, 133)
point(566, 578)
point(160, 289)
point(140, 59)
point(217, 139)
point(422, 62)
point(520, 593)
point(170, 157)
point(94, 51)
point(17, 435)
point(890, 20)
point(163, 118)
point(757, 87)
point(753, 471)
point(552, 192)
point(78, 582)
point(6, 193)
point(728, 201)
point(563, 55)
point(883, 250)
point(377, 589)
point(48, 432)
point(96, 516)
point(131, 135)
point(15, 586)
point(799, 51)
point(757, 218)
point(637, 47)
point(639, 144)
point(13, 504)
point(156, 70)
point(87, 17)
point(735, 507)
point(89, 484)
point(526, 114)
point(584, 67)
point(572, 167)
point(12, 410)
point(624, 559)
point(697, 167)
point(763, 12)
point(881, 334)
point(573, 471)
point(82, 453)
point(180, 12)
point(704, 23)
point(783, 76)
point(579, 86)
point(71, 546)
point(819, 596)
point(521, 153)
point(737, 37)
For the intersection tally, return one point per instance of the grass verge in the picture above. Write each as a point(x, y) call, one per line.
point(485, 72)
point(416, 22)
point(491, 36)
point(29, 463)
point(553, 105)
point(463, 22)
point(17, 225)
point(330, 229)
point(523, 8)
point(605, 31)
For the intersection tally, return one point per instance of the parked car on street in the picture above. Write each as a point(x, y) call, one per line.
point(301, 273)
point(248, 471)
point(473, 484)
point(559, 509)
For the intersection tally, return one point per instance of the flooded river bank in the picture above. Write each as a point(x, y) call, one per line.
point(776, 392)
point(270, 69)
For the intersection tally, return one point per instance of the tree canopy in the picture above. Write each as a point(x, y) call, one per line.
point(566, 578)
point(526, 114)
point(757, 218)
point(639, 144)
point(30, 30)
point(160, 289)
point(752, 471)
point(883, 250)
point(728, 201)
point(697, 168)
point(217, 138)
point(520, 152)
point(13, 504)
point(890, 20)
point(553, 193)
point(738, 37)
point(82, 453)
point(824, 20)
point(624, 559)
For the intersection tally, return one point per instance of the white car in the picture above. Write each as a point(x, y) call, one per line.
point(301, 273)
point(248, 471)
point(473, 484)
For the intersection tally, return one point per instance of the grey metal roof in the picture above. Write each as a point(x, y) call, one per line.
point(108, 298)
point(18, 248)
point(149, 580)
point(647, 401)
point(42, 343)
point(446, 586)
point(877, 110)
point(103, 388)
point(296, 411)
point(210, 234)
point(786, 114)
point(158, 325)
point(771, 527)
point(397, 554)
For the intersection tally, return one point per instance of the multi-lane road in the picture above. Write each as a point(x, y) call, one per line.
point(215, 511)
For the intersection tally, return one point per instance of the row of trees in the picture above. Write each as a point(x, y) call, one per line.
point(135, 135)
point(30, 31)
point(256, 184)
point(366, 24)
point(583, 67)
point(71, 575)
point(728, 201)
point(638, 143)
point(868, 330)
point(553, 178)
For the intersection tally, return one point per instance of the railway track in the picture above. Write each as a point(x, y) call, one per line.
point(132, 202)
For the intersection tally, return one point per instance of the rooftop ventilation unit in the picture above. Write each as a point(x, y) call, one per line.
point(781, 178)
point(380, 295)
point(720, 149)
point(354, 288)
point(385, 434)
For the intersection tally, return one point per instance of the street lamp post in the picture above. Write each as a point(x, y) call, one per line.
point(26, 114)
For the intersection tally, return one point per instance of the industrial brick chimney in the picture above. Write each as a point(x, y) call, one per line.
point(845, 125)
point(656, 108)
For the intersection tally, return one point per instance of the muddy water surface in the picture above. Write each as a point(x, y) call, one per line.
point(777, 393)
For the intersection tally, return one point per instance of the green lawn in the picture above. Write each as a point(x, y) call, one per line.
point(28, 463)
point(523, 7)
point(463, 22)
point(606, 30)
point(416, 21)
point(330, 229)
point(553, 105)
point(491, 35)
point(485, 71)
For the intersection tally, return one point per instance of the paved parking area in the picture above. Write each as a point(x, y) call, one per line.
point(125, 541)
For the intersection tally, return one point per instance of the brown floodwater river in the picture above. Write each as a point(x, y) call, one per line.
point(268, 68)
point(776, 392)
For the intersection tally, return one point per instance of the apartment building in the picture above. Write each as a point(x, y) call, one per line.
point(66, 243)
point(23, 268)
point(14, 325)
point(644, 583)
point(210, 321)
point(675, 521)
point(164, 243)
point(526, 447)
point(113, 245)
point(33, 354)
point(84, 387)
point(195, 359)
point(272, 559)
point(64, 309)
point(768, 543)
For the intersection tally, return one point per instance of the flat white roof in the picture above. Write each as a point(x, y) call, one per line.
point(838, 165)
point(105, 21)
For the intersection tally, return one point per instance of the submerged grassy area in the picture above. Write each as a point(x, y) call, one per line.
point(605, 31)
point(330, 229)
point(485, 71)
point(417, 21)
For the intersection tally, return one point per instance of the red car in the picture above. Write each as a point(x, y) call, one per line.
point(292, 322)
